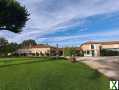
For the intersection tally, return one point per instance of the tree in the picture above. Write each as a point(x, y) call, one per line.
point(12, 47)
point(28, 43)
point(79, 53)
point(6, 47)
point(13, 16)
point(3, 42)
point(3, 46)
point(69, 51)
point(108, 52)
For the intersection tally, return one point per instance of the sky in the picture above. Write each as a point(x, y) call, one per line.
point(68, 22)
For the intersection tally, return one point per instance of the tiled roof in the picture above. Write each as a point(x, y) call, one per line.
point(107, 42)
point(39, 46)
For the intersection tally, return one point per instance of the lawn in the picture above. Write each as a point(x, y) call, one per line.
point(47, 74)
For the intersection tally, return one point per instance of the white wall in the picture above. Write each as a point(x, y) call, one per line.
point(88, 55)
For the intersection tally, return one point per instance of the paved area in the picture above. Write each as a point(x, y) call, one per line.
point(109, 66)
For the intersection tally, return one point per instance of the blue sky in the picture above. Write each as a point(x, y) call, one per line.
point(69, 22)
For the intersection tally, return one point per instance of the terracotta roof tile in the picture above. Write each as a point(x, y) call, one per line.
point(107, 42)
point(40, 46)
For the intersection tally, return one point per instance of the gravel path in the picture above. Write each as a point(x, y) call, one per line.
point(109, 66)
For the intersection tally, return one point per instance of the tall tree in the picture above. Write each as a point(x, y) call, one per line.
point(6, 47)
point(69, 51)
point(13, 16)
point(12, 47)
point(3, 42)
point(3, 46)
point(28, 43)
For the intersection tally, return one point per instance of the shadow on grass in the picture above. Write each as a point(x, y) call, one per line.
point(28, 62)
point(95, 74)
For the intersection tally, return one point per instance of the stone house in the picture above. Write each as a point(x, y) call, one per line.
point(37, 50)
point(93, 48)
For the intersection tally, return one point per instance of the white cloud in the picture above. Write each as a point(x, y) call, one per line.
point(56, 39)
point(51, 15)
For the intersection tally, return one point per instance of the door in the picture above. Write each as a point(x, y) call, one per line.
point(93, 53)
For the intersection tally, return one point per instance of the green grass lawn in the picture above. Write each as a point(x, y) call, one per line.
point(47, 74)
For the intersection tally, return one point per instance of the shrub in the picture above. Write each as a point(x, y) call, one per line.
point(106, 52)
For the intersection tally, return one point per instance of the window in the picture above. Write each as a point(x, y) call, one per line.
point(88, 52)
point(93, 53)
point(92, 46)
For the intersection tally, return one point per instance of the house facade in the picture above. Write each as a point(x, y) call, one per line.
point(37, 50)
point(93, 48)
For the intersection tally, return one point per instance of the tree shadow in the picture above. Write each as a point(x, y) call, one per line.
point(95, 75)
point(28, 62)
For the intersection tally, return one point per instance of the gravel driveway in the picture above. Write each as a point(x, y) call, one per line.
point(109, 66)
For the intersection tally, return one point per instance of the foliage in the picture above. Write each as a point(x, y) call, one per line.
point(3, 46)
point(28, 43)
point(3, 41)
point(13, 16)
point(78, 52)
point(12, 47)
point(71, 51)
point(6, 47)
point(107, 52)
point(68, 51)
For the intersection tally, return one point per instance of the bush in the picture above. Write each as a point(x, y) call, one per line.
point(106, 52)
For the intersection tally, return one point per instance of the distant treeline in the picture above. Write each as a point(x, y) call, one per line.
point(8, 48)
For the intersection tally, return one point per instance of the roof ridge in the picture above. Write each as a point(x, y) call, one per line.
point(100, 42)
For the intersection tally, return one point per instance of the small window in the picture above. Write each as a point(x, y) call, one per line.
point(92, 46)
point(88, 52)
point(93, 53)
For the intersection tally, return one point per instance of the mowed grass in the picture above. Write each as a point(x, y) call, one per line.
point(50, 75)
